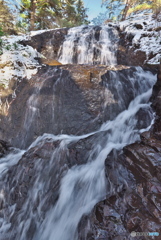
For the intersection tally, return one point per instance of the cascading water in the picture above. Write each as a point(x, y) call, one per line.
point(54, 190)
point(89, 45)
point(82, 186)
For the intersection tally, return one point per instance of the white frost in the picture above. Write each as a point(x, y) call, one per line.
point(147, 38)
point(17, 61)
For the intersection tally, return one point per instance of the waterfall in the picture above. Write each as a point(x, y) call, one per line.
point(81, 186)
point(89, 45)
point(32, 113)
point(44, 190)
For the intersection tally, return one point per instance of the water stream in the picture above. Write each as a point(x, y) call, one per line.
point(83, 186)
point(89, 45)
point(80, 186)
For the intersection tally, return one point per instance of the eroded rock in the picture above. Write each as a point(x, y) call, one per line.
point(66, 99)
point(133, 200)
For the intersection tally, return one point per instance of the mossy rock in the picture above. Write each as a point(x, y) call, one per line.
point(53, 63)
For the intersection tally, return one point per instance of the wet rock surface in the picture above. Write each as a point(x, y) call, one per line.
point(126, 52)
point(133, 201)
point(4, 148)
point(133, 177)
point(69, 99)
point(23, 182)
point(48, 43)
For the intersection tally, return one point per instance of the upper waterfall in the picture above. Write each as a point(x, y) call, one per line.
point(89, 45)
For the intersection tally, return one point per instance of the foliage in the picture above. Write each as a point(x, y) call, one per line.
point(24, 15)
point(1, 32)
point(1, 42)
point(42, 14)
point(6, 18)
point(154, 5)
point(5, 46)
point(81, 13)
point(114, 8)
point(140, 7)
point(101, 18)
point(8, 47)
point(126, 7)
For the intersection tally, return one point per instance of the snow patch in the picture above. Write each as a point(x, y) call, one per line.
point(17, 61)
point(147, 35)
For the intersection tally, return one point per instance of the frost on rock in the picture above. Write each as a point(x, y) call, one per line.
point(17, 61)
point(146, 32)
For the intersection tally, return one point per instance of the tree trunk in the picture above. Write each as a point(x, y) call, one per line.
point(32, 15)
point(127, 6)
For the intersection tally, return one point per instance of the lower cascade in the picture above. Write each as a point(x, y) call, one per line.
point(47, 189)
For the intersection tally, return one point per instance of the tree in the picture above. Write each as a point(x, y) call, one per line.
point(30, 10)
point(81, 17)
point(73, 13)
point(48, 14)
point(42, 14)
point(114, 7)
point(154, 5)
point(132, 6)
point(6, 18)
point(101, 18)
point(39, 14)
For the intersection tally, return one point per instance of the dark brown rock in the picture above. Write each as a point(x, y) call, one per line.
point(4, 148)
point(37, 176)
point(65, 99)
point(129, 53)
point(48, 43)
point(133, 199)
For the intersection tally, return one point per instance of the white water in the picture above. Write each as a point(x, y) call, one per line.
point(82, 46)
point(84, 185)
point(32, 111)
point(10, 160)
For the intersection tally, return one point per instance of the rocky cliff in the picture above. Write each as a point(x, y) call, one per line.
point(79, 107)
point(134, 206)
point(67, 99)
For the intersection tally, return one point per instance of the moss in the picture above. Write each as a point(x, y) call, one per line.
point(53, 63)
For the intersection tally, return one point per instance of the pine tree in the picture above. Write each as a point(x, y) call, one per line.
point(81, 13)
point(40, 14)
point(6, 18)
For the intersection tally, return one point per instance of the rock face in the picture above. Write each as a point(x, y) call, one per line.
point(39, 157)
point(135, 202)
point(127, 54)
point(94, 99)
point(77, 100)
point(43, 104)
point(48, 43)
point(4, 148)
point(139, 41)
point(135, 40)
